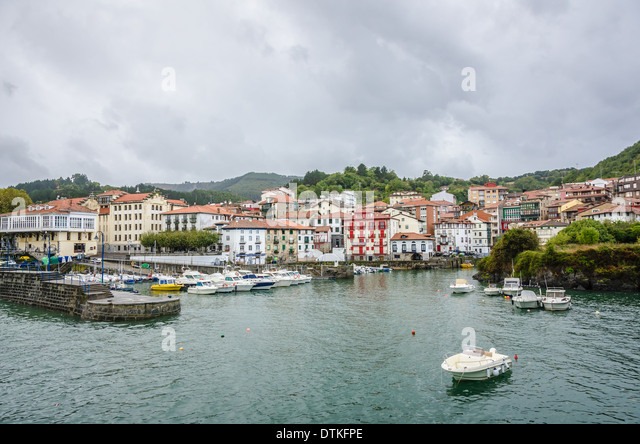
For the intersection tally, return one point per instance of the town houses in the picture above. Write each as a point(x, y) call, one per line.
point(283, 227)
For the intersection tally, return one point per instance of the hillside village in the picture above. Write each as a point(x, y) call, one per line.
point(283, 227)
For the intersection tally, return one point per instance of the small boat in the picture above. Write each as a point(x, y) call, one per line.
point(462, 286)
point(166, 283)
point(476, 364)
point(467, 265)
point(526, 299)
point(222, 286)
point(203, 286)
point(492, 290)
point(556, 299)
point(511, 286)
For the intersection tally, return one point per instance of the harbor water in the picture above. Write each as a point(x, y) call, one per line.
point(360, 351)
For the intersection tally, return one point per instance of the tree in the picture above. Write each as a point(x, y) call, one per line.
point(12, 199)
point(512, 243)
point(588, 235)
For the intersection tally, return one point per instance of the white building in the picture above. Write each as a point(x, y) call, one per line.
point(412, 246)
point(244, 241)
point(407, 222)
point(444, 195)
point(481, 232)
point(453, 235)
point(196, 217)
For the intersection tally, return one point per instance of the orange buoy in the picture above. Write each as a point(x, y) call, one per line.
point(515, 357)
point(413, 332)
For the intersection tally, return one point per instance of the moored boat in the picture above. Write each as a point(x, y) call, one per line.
point(166, 283)
point(526, 299)
point(203, 286)
point(190, 278)
point(476, 364)
point(556, 299)
point(462, 286)
point(511, 286)
point(492, 290)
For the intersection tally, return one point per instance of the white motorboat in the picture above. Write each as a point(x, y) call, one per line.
point(203, 286)
point(190, 278)
point(511, 286)
point(462, 286)
point(222, 286)
point(476, 364)
point(260, 282)
point(492, 290)
point(526, 299)
point(556, 299)
point(281, 279)
point(237, 281)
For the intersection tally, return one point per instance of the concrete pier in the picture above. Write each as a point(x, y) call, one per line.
point(90, 301)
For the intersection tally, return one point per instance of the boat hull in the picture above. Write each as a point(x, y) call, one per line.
point(556, 304)
point(195, 290)
point(526, 304)
point(176, 287)
point(477, 367)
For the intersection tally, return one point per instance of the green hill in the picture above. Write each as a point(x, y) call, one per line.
point(249, 186)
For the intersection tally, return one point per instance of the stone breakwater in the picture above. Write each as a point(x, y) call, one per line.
point(88, 301)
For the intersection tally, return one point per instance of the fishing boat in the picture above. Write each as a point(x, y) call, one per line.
point(166, 283)
point(556, 299)
point(526, 299)
point(511, 286)
point(476, 364)
point(492, 290)
point(462, 286)
point(203, 286)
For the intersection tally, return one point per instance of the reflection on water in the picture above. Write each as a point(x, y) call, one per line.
point(362, 351)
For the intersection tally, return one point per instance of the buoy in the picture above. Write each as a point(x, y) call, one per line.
point(248, 329)
point(180, 348)
point(515, 357)
point(413, 332)
point(483, 300)
point(222, 336)
point(597, 313)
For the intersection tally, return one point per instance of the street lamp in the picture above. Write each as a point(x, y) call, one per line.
point(48, 236)
point(102, 248)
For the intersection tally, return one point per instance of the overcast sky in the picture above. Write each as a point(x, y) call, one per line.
point(173, 91)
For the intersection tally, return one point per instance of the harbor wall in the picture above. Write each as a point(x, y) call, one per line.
point(90, 302)
point(27, 288)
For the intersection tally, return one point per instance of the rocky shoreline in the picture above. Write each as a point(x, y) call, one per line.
point(576, 280)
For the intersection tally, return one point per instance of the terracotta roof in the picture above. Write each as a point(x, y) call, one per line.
point(60, 206)
point(209, 209)
point(137, 197)
point(485, 217)
point(411, 236)
point(250, 224)
point(416, 203)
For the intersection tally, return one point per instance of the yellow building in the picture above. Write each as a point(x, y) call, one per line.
point(128, 216)
point(488, 194)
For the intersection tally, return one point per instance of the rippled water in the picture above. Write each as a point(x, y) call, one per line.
point(328, 352)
